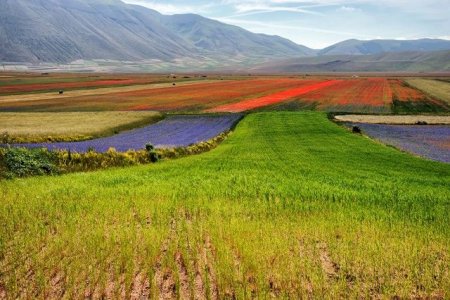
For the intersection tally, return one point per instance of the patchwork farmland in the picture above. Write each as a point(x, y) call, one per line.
point(279, 202)
point(432, 142)
point(172, 132)
point(221, 93)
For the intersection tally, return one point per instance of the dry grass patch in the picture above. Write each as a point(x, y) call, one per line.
point(436, 88)
point(377, 119)
point(94, 92)
point(70, 126)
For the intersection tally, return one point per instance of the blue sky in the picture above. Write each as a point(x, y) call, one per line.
point(320, 23)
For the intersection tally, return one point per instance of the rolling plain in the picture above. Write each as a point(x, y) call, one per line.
point(199, 93)
point(289, 205)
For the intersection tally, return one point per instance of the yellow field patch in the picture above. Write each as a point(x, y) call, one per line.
point(435, 88)
point(65, 126)
point(95, 92)
point(377, 119)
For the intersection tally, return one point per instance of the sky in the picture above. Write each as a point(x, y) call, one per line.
point(321, 23)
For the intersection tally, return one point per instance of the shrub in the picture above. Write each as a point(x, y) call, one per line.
point(152, 154)
point(356, 129)
point(21, 162)
point(5, 138)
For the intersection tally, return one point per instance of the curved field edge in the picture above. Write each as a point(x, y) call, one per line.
point(428, 142)
point(291, 205)
point(69, 126)
point(394, 119)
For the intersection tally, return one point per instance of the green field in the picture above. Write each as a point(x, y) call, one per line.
point(290, 205)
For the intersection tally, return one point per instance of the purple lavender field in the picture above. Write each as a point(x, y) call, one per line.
point(429, 141)
point(173, 131)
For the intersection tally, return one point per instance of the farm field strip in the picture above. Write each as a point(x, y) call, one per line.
point(408, 99)
point(27, 88)
point(95, 92)
point(403, 92)
point(70, 125)
point(195, 97)
point(171, 132)
point(272, 98)
point(289, 206)
point(389, 119)
point(371, 94)
point(219, 93)
point(41, 83)
point(368, 95)
point(429, 141)
point(435, 88)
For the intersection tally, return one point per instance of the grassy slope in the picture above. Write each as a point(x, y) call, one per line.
point(71, 126)
point(435, 88)
point(274, 210)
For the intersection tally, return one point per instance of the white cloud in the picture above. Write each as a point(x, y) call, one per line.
point(249, 9)
point(169, 9)
point(291, 27)
point(432, 8)
point(322, 22)
point(348, 8)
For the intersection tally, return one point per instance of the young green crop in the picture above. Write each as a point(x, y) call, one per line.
point(290, 205)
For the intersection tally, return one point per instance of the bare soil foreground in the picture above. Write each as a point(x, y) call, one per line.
point(397, 119)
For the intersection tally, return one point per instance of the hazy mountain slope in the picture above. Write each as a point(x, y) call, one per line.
point(67, 30)
point(210, 35)
point(357, 47)
point(388, 62)
point(62, 31)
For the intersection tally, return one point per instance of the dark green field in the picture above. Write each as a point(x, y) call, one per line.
point(290, 205)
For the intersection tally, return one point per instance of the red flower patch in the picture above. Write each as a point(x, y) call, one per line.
point(273, 98)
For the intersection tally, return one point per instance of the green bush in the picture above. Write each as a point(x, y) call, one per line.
point(152, 154)
point(21, 162)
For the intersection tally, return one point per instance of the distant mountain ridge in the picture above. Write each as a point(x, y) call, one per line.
point(358, 47)
point(436, 61)
point(67, 30)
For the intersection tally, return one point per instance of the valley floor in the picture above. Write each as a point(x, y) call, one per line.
point(290, 205)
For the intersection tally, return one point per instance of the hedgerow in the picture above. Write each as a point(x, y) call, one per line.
point(23, 162)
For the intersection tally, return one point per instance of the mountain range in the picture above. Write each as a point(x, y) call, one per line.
point(413, 61)
point(64, 31)
point(357, 47)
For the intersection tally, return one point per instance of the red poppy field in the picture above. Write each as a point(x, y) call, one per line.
point(214, 93)
point(274, 98)
point(67, 85)
point(372, 94)
point(172, 97)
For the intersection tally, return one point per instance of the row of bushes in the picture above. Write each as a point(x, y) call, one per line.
point(6, 138)
point(22, 162)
